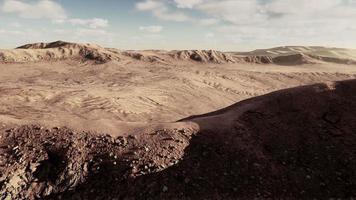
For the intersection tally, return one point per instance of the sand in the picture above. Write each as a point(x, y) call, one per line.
point(176, 124)
point(119, 95)
point(296, 143)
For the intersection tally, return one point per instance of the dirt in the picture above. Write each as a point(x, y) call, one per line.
point(37, 162)
point(291, 144)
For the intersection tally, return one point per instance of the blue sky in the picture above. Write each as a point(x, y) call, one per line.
point(229, 25)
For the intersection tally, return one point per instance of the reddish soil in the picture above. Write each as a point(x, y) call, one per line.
point(292, 144)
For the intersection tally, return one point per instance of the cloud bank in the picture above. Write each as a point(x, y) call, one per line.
point(37, 10)
point(264, 21)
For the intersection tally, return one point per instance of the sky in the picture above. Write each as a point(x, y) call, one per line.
point(227, 25)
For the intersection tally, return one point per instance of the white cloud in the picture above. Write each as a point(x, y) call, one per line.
point(61, 31)
point(301, 7)
point(96, 36)
point(15, 24)
point(91, 32)
point(160, 10)
point(208, 21)
point(91, 23)
point(48, 9)
point(11, 32)
point(151, 29)
point(256, 12)
point(209, 35)
point(22, 36)
point(38, 10)
point(236, 22)
point(267, 22)
point(187, 3)
point(234, 11)
point(148, 5)
point(146, 41)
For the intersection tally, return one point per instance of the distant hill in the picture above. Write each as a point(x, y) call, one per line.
point(288, 55)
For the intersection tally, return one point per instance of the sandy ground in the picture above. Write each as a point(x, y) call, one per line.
point(292, 144)
point(118, 97)
point(85, 122)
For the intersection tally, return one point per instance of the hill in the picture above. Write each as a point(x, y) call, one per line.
point(60, 50)
point(296, 143)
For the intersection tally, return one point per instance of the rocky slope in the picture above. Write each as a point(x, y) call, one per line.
point(204, 56)
point(292, 55)
point(60, 50)
point(291, 144)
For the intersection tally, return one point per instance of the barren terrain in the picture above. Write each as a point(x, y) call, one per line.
point(68, 88)
point(134, 124)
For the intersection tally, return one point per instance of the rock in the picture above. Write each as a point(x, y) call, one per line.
point(181, 131)
point(121, 141)
point(133, 137)
point(33, 167)
point(186, 180)
point(332, 117)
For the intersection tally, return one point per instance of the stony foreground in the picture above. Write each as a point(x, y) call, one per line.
point(296, 143)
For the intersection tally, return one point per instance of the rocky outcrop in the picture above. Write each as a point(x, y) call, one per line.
point(259, 59)
point(58, 51)
point(204, 56)
point(294, 59)
point(61, 50)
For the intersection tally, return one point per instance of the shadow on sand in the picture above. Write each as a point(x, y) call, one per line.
point(296, 143)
